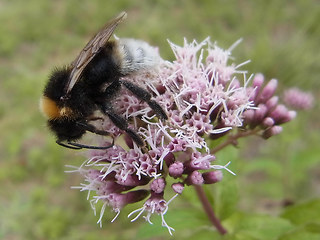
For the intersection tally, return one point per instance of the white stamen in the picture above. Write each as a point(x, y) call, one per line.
point(103, 208)
point(218, 167)
point(117, 214)
point(140, 210)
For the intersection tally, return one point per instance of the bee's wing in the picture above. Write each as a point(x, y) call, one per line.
point(91, 49)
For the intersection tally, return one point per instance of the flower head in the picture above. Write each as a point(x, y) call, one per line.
point(298, 99)
point(204, 99)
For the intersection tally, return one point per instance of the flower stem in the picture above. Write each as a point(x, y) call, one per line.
point(201, 194)
point(233, 139)
point(208, 209)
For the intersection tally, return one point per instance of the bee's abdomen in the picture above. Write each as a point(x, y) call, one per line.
point(136, 55)
point(103, 68)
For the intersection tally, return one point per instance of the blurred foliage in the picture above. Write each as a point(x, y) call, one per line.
point(280, 37)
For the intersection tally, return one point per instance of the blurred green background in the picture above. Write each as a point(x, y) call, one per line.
point(280, 37)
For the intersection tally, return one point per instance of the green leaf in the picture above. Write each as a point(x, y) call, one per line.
point(183, 221)
point(308, 212)
point(226, 195)
point(299, 234)
point(245, 226)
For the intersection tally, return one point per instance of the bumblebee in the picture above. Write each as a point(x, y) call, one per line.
point(75, 92)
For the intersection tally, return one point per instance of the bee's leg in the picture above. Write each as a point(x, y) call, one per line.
point(112, 89)
point(89, 127)
point(122, 123)
point(67, 145)
point(145, 96)
point(118, 120)
point(78, 146)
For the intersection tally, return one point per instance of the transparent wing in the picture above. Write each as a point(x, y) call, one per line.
point(91, 49)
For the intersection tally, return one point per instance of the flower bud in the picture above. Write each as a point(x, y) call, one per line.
point(258, 81)
point(272, 103)
point(176, 169)
point(288, 117)
point(248, 116)
point(177, 145)
point(279, 113)
point(169, 158)
point(267, 122)
point(131, 180)
point(212, 176)
point(198, 162)
point(109, 187)
point(161, 89)
point(158, 185)
point(178, 187)
point(195, 178)
point(260, 113)
point(256, 84)
point(119, 200)
point(275, 130)
point(268, 91)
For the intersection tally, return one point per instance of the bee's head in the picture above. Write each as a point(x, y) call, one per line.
point(66, 129)
point(53, 102)
point(56, 86)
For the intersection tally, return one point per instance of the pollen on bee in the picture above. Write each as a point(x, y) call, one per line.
point(66, 112)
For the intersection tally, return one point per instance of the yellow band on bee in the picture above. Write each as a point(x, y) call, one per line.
point(50, 109)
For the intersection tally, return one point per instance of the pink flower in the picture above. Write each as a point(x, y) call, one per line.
point(298, 99)
point(204, 100)
point(267, 114)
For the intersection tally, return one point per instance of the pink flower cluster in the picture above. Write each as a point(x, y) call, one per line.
point(298, 99)
point(269, 114)
point(204, 97)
